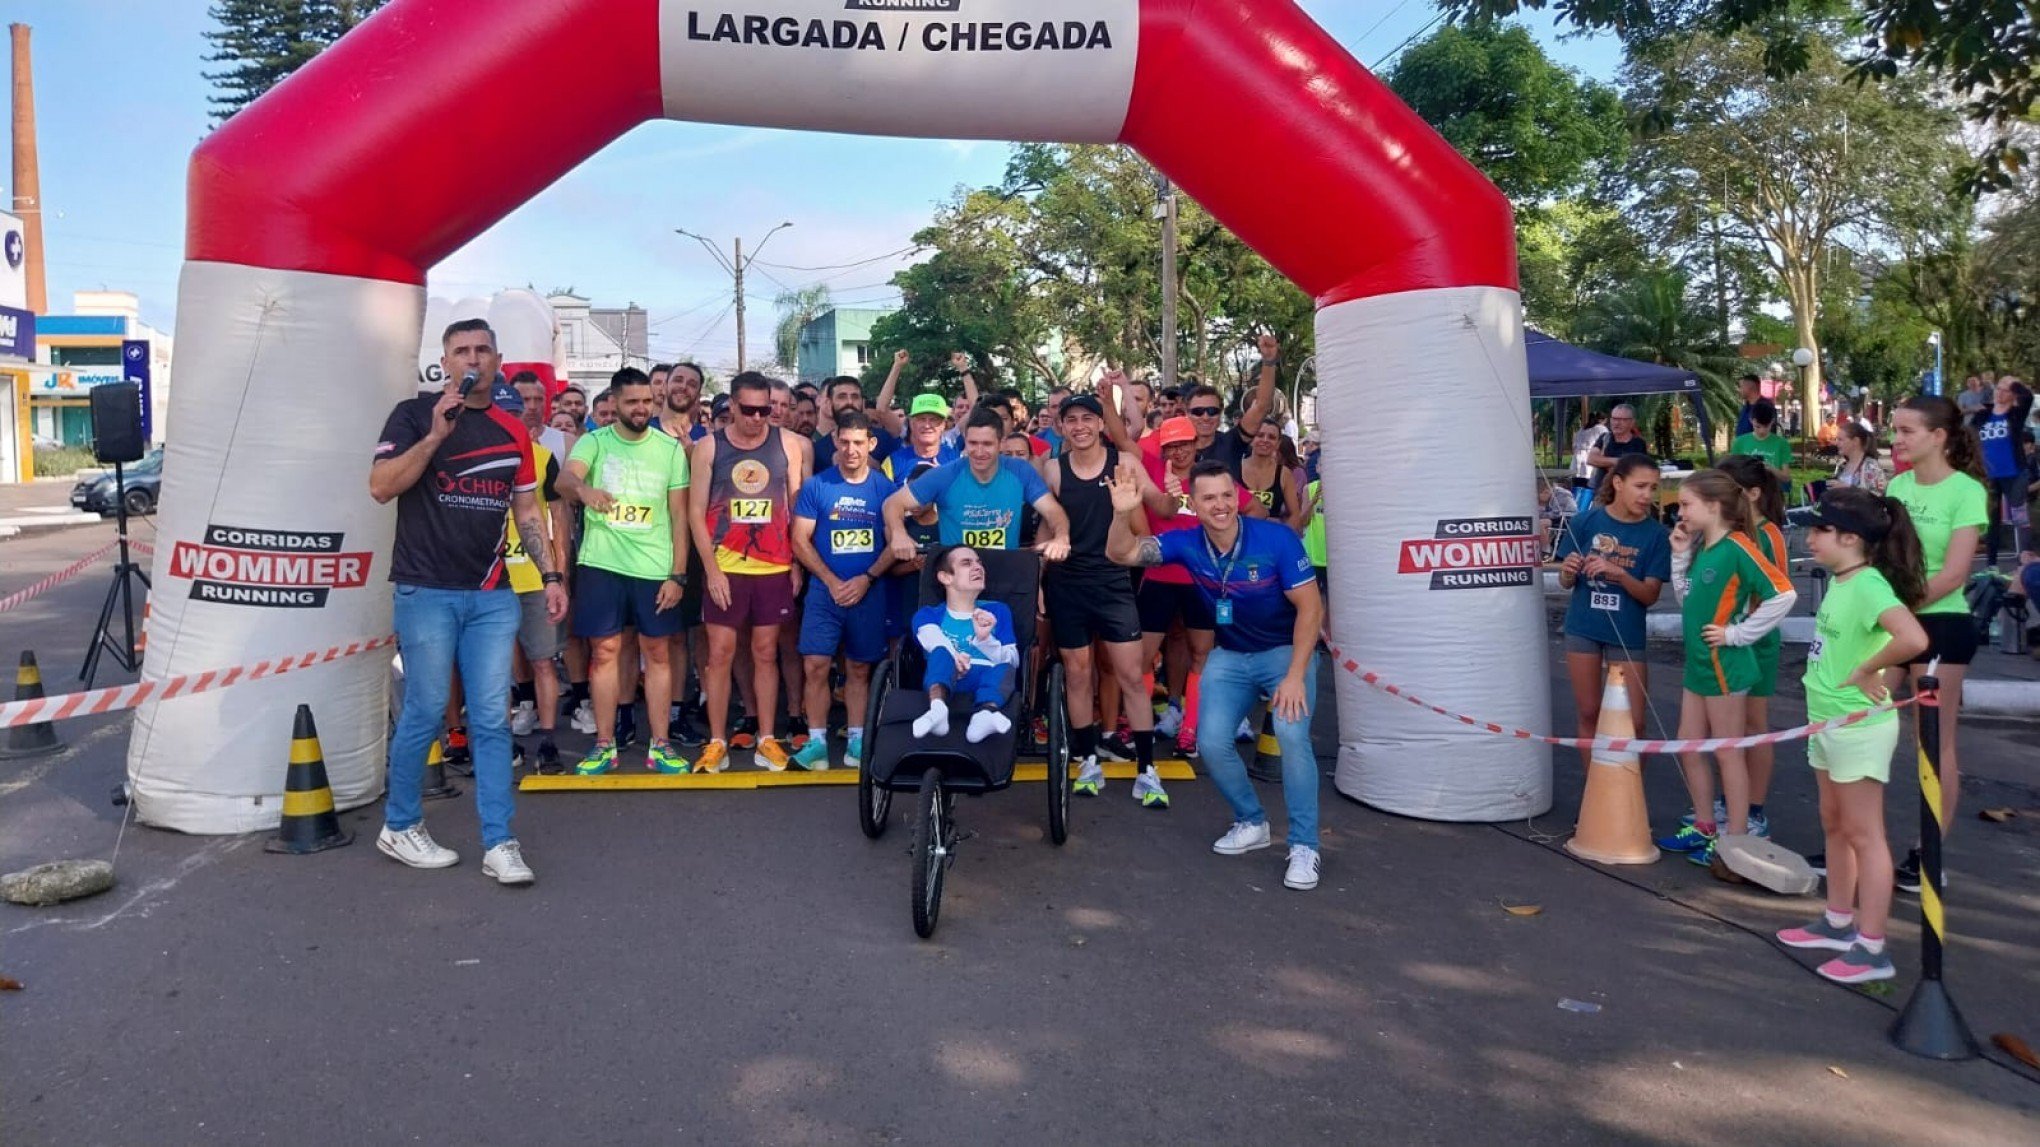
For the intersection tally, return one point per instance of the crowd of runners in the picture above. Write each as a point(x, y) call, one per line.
point(719, 576)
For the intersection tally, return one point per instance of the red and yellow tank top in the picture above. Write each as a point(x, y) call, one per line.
point(749, 518)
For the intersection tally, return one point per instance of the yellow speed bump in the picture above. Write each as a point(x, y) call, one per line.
point(762, 779)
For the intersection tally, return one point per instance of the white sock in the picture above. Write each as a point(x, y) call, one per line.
point(1874, 947)
point(935, 722)
point(1840, 919)
point(815, 734)
point(984, 723)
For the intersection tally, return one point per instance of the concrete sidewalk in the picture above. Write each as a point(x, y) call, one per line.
point(44, 504)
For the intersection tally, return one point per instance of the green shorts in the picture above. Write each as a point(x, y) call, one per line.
point(1728, 671)
point(1768, 652)
point(1855, 752)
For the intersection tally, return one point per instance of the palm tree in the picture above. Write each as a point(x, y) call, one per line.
point(1655, 319)
point(797, 308)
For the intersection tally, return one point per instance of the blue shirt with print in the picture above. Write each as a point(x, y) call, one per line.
point(825, 448)
point(900, 463)
point(1600, 610)
point(849, 524)
point(982, 515)
point(1266, 562)
point(2000, 453)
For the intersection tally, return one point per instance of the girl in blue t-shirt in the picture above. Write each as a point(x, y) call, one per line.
point(1616, 558)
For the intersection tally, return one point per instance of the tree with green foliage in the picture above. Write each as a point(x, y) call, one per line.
point(1985, 52)
point(260, 42)
point(797, 308)
point(1656, 318)
point(1789, 171)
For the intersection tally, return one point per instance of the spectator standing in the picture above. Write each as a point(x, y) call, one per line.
point(1622, 440)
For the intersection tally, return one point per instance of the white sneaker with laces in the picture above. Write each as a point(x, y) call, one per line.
point(583, 719)
point(1169, 723)
point(415, 847)
point(1147, 789)
point(505, 864)
point(523, 719)
point(1243, 838)
point(1303, 868)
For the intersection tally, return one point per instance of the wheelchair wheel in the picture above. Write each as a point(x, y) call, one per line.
point(1058, 758)
point(934, 833)
point(874, 804)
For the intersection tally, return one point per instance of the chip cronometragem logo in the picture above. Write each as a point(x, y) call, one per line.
point(289, 569)
point(1475, 553)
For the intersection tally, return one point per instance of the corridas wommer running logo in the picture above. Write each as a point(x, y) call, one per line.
point(903, 5)
point(1475, 553)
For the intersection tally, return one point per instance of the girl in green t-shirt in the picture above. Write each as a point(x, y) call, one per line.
point(1865, 627)
point(1717, 575)
point(1767, 508)
point(1944, 495)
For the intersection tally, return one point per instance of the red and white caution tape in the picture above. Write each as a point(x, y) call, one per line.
point(56, 579)
point(1615, 744)
point(128, 696)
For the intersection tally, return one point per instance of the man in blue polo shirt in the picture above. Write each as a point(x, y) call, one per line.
point(1264, 595)
point(978, 499)
point(839, 535)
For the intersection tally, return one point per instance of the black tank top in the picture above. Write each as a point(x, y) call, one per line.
point(1088, 503)
point(1272, 499)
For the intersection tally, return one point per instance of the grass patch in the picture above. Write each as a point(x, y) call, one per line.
point(63, 461)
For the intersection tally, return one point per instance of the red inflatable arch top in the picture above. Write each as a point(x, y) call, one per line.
point(316, 212)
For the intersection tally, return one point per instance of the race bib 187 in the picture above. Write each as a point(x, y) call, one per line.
point(630, 515)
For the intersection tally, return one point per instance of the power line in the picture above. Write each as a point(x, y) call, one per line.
point(1434, 21)
point(1378, 23)
point(911, 248)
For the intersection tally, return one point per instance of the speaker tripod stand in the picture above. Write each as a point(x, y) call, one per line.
point(120, 594)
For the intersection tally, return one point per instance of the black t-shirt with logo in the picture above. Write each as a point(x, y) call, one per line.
point(452, 522)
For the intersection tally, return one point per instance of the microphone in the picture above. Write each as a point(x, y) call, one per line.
point(467, 384)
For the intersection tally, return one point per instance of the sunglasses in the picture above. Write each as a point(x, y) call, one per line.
point(1204, 411)
point(753, 411)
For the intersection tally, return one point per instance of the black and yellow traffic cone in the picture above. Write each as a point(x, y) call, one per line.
point(436, 787)
point(309, 822)
point(29, 740)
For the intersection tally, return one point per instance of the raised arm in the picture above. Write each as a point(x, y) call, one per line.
point(960, 363)
point(1111, 392)
point(883, 410)
point(1263, 401)
point(1122, 545)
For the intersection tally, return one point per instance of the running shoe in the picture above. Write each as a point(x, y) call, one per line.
point(1170, 722)
point(1114, 747)
point(583, 720)
point(682, 730)
point(1242, 838)
point(599, 760)
point(1703, 857)
point(853, 753)
point(744, 734)
point(797, 740)
point(457, 751)
point(626, 726)
point(1820, 934)
point(714, 758)
point(1687, 839)
point(1246, 731)
point(1304, 863)
point(523, 719)
point(1818, 862)
point(1147, 789)
point(1186, 741)
point(770, 754)
point(660, 758)
point(1040, 732)
point(1907, 875)
point(1760, 825)
point(1858, 965)
point(1090, 778)
point(813, 756)
point(549, 763)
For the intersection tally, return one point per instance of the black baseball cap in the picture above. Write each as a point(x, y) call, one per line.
point(1081, 402)
point(1838, 517)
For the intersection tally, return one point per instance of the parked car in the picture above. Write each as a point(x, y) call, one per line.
point(143, 481)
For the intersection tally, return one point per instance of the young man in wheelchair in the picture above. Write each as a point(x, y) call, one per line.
point(971, 650)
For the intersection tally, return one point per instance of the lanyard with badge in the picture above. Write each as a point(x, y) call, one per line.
point(1222, 608)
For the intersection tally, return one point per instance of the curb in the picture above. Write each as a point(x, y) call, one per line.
point(2002, 698)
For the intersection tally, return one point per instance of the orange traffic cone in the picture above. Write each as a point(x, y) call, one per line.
point(29, 740)
point(436, 786)
point(309, 822)
point(1613, 827)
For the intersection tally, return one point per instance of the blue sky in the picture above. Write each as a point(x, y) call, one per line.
point(121, 100)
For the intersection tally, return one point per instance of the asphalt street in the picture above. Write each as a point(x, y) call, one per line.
point(741, 968)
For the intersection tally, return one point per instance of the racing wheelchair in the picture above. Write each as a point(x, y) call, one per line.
point(937, 768)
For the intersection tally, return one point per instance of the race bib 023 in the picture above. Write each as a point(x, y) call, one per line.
point(853, 541)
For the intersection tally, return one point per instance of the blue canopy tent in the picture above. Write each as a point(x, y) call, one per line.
point(1561, 370)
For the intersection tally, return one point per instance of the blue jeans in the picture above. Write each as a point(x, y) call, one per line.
point(435, 629)
point(1232, 683)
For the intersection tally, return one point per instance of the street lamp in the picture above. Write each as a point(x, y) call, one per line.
point(1802, 358)
point(1934, 380)
point(736, 266)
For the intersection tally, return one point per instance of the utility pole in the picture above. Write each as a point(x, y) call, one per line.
point(28, 171)
point(1165, 210)
point(736, 265)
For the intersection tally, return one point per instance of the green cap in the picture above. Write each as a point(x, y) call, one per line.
point(930, 403)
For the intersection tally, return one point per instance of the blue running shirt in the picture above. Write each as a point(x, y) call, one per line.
point(982, 515)
point(1266, 562)
point(849, 529)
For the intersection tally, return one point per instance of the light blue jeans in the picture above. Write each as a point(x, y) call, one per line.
point(1232, 684)
point(435, 629)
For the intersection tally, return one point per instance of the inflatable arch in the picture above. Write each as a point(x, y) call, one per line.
point(315, 213)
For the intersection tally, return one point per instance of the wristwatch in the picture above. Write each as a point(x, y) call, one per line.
point(679, 579)
point(551, 579)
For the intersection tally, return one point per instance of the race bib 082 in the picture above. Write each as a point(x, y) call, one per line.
point(985, 539)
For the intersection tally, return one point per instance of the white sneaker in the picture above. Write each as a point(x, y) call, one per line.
point(1242, 838)
point(523, 719)
point(935, 722)
point(583, 719)
point(1169, 723)
point(1147, 789)
point(1090, 778)
point(505, 865)
point(1303, 868)
point(1246, 731)
point(415, 847)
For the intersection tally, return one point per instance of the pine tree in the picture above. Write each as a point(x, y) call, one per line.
point(259, 42)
